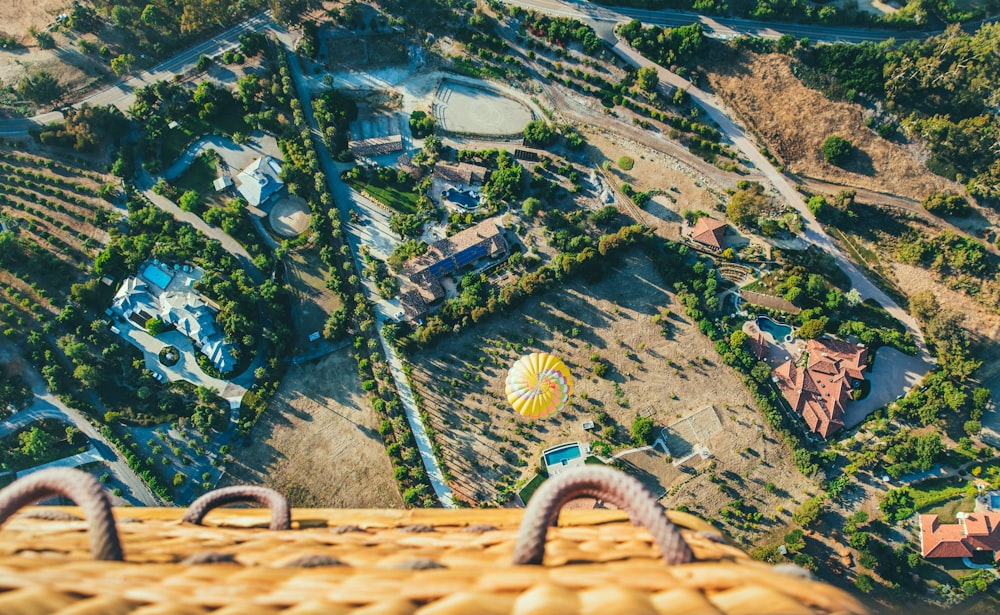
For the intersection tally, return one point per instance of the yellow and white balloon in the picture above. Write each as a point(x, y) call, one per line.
point(538, 385)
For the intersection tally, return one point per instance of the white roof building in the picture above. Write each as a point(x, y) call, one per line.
point(260, 180)
point(221, 183)
point(186, 311)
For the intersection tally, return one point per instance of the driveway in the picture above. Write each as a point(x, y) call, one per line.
point(235, 157)
point(893, 374)
point(88, 456)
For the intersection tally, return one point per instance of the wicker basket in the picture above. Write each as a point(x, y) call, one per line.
point(382, 561)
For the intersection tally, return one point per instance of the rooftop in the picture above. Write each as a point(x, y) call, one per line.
point(260, 180)
point(710, 232)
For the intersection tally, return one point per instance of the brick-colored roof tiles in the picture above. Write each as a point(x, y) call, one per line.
point(710, 232)
point(973, 532)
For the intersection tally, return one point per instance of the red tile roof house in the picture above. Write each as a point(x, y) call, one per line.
point(821, 390)
point(974, 532)
point(709, 232)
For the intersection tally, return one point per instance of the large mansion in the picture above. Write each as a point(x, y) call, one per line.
point(820, 390)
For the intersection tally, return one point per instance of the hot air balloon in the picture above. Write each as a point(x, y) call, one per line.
point(538, 385)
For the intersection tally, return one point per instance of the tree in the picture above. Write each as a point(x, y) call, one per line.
point(539, 133)
point(39, 87)
point(837, 150)
point(625, 163)
point(946, 205)
point(421, 124)
point(897, 505)
point(809, 512)
point(746, 205)
point(865, 583)
point(45, 40)
point(155, 326)
point(189, 201)
point(122, 64)
point(35, 443)
point(794, 540)
point(647, 78)
point(203, 63)
point(531, 206)
point(813, 328)
point(642, 430)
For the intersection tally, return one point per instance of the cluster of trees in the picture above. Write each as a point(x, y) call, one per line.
point(948, 204)
point(40, 87)
point(156, 27)
point(749, 207)
point(562, 30)
point(915, 13)
point(963, 263)
point(334, 112)
point(421, 124)
point(15, 393)
point(665, 46)
point(44, 441)
point(944, 88)
point(85, 128)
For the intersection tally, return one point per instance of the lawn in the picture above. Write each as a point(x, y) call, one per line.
point(943, 497)
point(530, 487)
point(402, 201)
point(199, 176)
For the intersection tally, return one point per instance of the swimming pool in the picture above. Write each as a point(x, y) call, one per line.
point(780, 332)
point(562, 454)
point(465, 200)
point(995, 502)
point(157, 276)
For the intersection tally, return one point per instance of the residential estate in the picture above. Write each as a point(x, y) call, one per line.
point(975, 534)
point(151, 295)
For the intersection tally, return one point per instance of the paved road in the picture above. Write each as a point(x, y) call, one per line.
point(605, 17)
point(337, 188)
point(88, 456)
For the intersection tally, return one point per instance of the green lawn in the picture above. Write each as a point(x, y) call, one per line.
point(402, 201)
point(943, 497)
point(199, 176)
point(529, 489)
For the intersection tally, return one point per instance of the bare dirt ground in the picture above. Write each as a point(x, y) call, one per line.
point(317, 442)
point(794, 121)
point(289, 217)
point(461, 383)
point(17, 16)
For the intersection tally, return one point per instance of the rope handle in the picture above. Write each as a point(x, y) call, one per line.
point(606, 484)
point(78, 486)
point(281, 515)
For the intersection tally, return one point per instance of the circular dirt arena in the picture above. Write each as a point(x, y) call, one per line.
point(472, 110)
point(289, 217)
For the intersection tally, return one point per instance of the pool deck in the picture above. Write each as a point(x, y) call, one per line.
point(777, 352)
point(558, 468)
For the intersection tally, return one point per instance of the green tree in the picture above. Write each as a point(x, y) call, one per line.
point(625, 163)
point(155, 326)
point(897, 504)
point(837, 150)
point(947, 205)
point(642, 430)
point(189, 201)
point(747, 204)
point(531, 206)
point(539, 133)
point(35, 443)
point(809, 512)
point(122, 64)
point(40, 87)
point(421, 124)
point(813, 328)
point(865, 583)
point(648, 78)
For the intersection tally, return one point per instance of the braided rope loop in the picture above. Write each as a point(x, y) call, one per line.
point(602, 483)
point(78, 486)
point(281, 515)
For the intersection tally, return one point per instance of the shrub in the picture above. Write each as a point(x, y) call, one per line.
point(642, 430)
point(946, 205)
point(837, 150)
point(625, 163)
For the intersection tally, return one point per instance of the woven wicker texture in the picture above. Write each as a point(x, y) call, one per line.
point(377, 561)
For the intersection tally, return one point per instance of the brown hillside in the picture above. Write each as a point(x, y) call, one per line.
point(795, 120)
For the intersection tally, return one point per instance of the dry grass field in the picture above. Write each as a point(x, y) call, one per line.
point(17, 16)
point(317, 442)
point(486, 446)
point(314, 302)
point(794, 121)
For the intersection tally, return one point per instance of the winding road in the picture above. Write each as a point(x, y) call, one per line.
point(716, 110)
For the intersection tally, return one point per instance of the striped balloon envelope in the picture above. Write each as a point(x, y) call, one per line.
point(538, 385)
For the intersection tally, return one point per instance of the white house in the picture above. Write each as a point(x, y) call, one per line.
point(260, 181)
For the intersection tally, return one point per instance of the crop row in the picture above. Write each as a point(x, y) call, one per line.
point(48, 164)
point(28, 209)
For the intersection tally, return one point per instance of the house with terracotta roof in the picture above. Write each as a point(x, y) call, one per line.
point(975, 533)
point(484, 240)
point(820, 391)
point(461, 173)
point(710, 233)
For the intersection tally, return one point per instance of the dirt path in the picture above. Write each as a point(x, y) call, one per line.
point(317, 442)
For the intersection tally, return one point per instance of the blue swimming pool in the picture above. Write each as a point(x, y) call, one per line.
point(466, 200)
point(157, 276)
point(562, 454)
point(995, 502)
point(779, 331)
